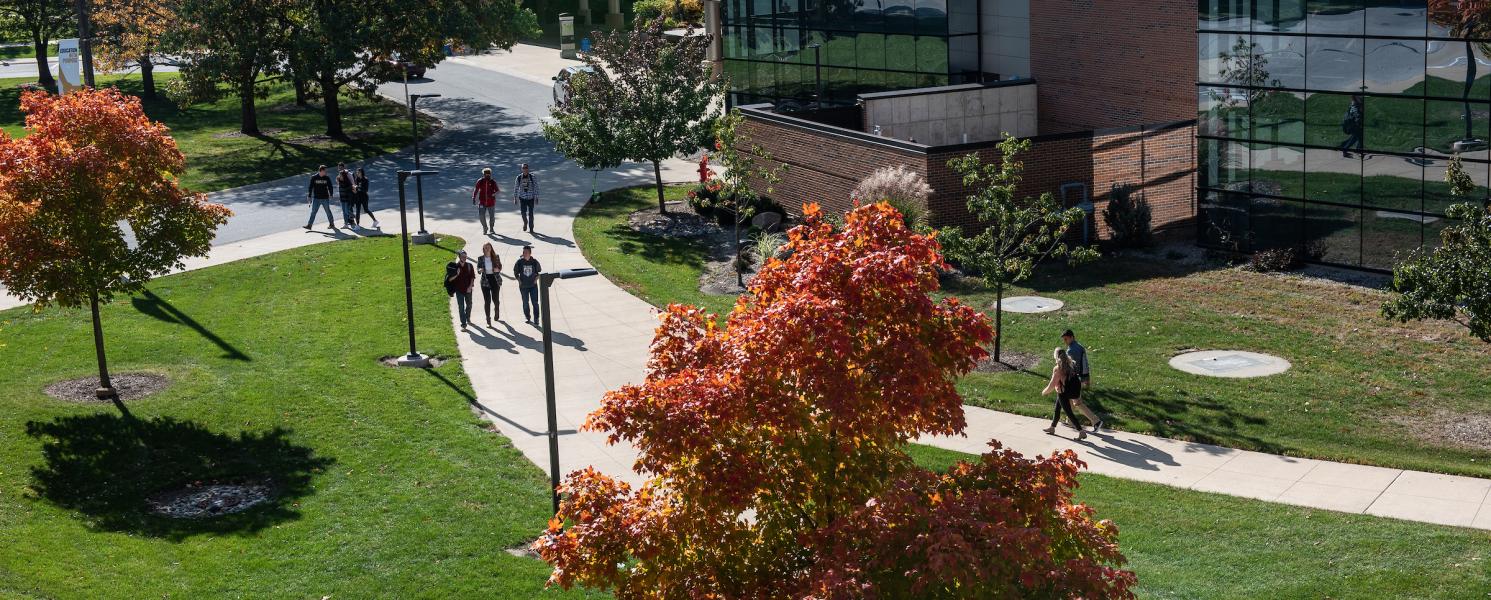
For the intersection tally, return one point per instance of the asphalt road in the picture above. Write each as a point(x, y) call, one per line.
point(489, 120)
point(26, 67)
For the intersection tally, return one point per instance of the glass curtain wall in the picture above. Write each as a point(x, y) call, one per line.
point(863, 46)
point(1327, 125)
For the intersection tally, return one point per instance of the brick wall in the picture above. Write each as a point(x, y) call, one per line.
point(824, 166)
point(1103, 64)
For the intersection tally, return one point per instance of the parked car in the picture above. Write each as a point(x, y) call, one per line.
point(561, 81)
point(415, 70)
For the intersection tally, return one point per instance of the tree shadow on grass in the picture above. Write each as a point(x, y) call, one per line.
point(106, 466)
point(658, 249)
point(149, 303)
point(1180, 416)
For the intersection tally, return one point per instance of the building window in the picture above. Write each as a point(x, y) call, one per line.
point(1330, 123)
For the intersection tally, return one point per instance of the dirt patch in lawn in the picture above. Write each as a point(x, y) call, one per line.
point(680, 223)
point(227, 135)
point(1009, 361)
point(1465, 430)
point(129, 386)
point(200, 500)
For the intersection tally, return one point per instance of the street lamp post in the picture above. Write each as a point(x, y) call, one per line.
point(546, 280)
point(422, 237)
point(413, 358)
point(818, 75)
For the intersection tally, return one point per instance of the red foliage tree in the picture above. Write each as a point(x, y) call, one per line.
point(90, 160)
point(774, 445)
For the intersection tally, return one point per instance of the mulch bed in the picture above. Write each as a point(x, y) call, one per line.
point(681, 222)
point(1009, 361)
point(207, 500)
point(130, 386)
point(238, 134)
point(393, 361)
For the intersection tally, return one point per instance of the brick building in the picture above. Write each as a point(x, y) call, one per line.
point(1105, 91)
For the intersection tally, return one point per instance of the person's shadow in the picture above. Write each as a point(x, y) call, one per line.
point(549, 239)
point(107, 467)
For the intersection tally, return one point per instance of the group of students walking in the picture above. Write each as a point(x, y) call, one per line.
point(484, 196)
point(351, 189)
point(1069, 377)
point(462, 276)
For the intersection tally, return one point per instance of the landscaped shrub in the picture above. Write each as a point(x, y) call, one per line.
point(1129, 216)
point(904, 189)
point(1275, 260)
point(677, 13)
point(704, 198)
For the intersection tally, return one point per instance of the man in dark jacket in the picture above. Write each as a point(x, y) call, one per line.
point(460, 275)
point(526, 270)
point(347, 193)
point(318, 193)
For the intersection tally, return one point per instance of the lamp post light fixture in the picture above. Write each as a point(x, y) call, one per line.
point(413, 358)
point(546, 280)
point(422, 237)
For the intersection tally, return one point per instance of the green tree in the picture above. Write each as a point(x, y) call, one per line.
point(745, 162)
point(232, 42)
point(657, 96)
point(90, 161)
point(581, 128)
point(1451, 282)
point(41, 21)
point(1019, 233)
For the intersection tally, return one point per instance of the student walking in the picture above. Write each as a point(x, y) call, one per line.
point(1352, 124)
point(489, 268)
point(525, 193)
point(484, 196)
point(526, 271)
point(360, 182)
point(347, 193)
point(1078, 354)
point(1067, 384)
point(318, 195)
point(460, 275)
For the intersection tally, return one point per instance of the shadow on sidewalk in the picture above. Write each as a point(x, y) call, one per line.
point(482, 408)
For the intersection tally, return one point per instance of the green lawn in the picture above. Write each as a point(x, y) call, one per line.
point(390, 486)
point(217, 157)
point(1186, 544)
point(27, 51)
point(1362, 389)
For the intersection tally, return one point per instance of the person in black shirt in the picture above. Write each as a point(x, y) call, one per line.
point(526, 271)
point(361, 182)
point(318, 194)
point(347, 193)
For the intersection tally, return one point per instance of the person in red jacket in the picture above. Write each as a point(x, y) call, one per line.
point(484, 196)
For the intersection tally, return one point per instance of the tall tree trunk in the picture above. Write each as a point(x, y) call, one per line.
point(333, 108)
point(105, 387)
point(998, 319)
point(43, 72)
point(657, 174)
point(302, 99)
point(147, 77)
point(248, 114)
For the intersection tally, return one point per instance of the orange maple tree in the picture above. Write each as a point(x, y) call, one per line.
point(773, 445)
point(91, 160)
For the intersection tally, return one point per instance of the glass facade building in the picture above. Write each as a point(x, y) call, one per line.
point(863, 46)
point(1328, 125)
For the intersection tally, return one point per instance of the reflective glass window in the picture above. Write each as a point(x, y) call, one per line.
point(1334, 64)
point(1279, 15)
point(1394, 124)
point(1222, 112)
point(1276, 223)
point(1335, 16)
point(1395, 66)
point(1224, 14)
point(1334, 232)
point(1396, 17)
point(931, 17)
point(1279, 117)
point(931, 54)
point(1224, 164)
point(1223, 58)
point(1277, 171)
point(1448, 121)
point(1392, 183)
point(1276, 61)
point(1437, 197)
point(1388, 236)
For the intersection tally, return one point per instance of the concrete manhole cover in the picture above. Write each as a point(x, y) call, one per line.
point(1031, 304)
point(1229, 363)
